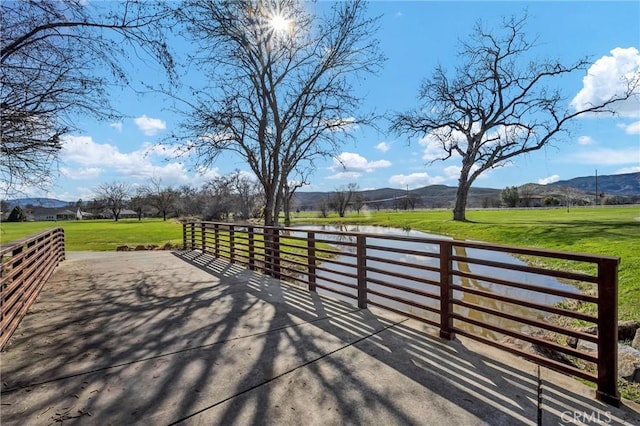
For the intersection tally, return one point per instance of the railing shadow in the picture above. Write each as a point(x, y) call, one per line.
point(490, 389)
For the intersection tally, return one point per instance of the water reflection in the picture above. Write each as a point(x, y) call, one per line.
point(413, 265)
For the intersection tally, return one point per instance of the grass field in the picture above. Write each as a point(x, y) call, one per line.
point(100, 235)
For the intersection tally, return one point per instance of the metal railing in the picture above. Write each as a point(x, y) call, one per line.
point(25, 267)
point(474, 289)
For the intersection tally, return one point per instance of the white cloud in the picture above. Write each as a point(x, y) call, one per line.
point(634, 169)
point(117, 126)
point(633, 128)
point(345, 175)
point(608, 77)
point(83, 153)
point(150, 126)
point(351, 162)
point(585, 140)
point(548, 180)
point(383, 147)
point(82, 173)
point(204, 175)
point(83, 150)
point(607, 156)
point(432, 147)
point(415, 180)
point(452, 172)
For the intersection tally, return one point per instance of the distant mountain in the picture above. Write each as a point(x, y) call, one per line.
point(627, 184)
point(37, 202)
point(580, 190)
point(432, 196)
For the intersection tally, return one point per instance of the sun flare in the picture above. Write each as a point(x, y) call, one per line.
point(279, 23)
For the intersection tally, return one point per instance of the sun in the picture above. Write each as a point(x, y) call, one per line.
point(279, 23)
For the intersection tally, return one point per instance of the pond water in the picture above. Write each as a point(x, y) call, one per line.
point(417, 259)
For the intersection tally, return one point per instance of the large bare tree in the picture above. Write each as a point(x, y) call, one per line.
point(59, 60)
point(282, 91)
point(114, 196)
point(342, 197)
point(163, 198)
point(497, 105)
point(247, 194)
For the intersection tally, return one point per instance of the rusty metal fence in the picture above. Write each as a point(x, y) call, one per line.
point(495, 294)
point(25, 267)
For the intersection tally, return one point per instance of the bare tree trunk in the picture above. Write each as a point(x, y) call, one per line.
point(460, 209)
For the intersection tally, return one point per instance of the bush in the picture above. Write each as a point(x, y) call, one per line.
point(17, 215)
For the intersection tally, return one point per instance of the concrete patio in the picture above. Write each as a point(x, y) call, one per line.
point(159, 338)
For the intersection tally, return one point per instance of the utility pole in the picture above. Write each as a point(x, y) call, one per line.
point(597, 193)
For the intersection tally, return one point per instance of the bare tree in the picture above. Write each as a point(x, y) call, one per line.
point(282, 95)
point(219, 198)
point(289, 191)
point(57, 60)
point(138, 203)
point(190, 201)
point(358, 201)
point(323, 206)
point(342, 198)
point(114, 196)
point(498, 105)
point(247, 193)
point(162, 198)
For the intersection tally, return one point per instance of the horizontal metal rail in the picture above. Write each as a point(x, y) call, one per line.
point(25, 266)
point(460, 287)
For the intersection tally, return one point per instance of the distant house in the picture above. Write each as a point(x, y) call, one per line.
point(50, 214)
point(124, 214)
point(80, 215)
point(531, 201)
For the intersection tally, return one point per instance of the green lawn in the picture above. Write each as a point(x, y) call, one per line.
point(100, 235)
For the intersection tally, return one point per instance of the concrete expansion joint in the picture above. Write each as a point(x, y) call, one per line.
point(285, 373)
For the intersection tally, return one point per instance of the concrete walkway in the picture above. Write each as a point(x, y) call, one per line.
point(158, 338)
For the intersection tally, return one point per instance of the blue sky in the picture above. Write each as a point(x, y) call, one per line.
point(415, 36)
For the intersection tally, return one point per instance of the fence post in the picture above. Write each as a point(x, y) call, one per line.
point(608, 331)
point(361, 259)
point(252, 255)
point(184, 236)
point(446, 292)
point(232, 252)
point(216, 240)
point(60, 246)
point(311, 260)
point(32, 249)
point(17, 264)
point(276, 252)
point(203, 233)
point(193, 236)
